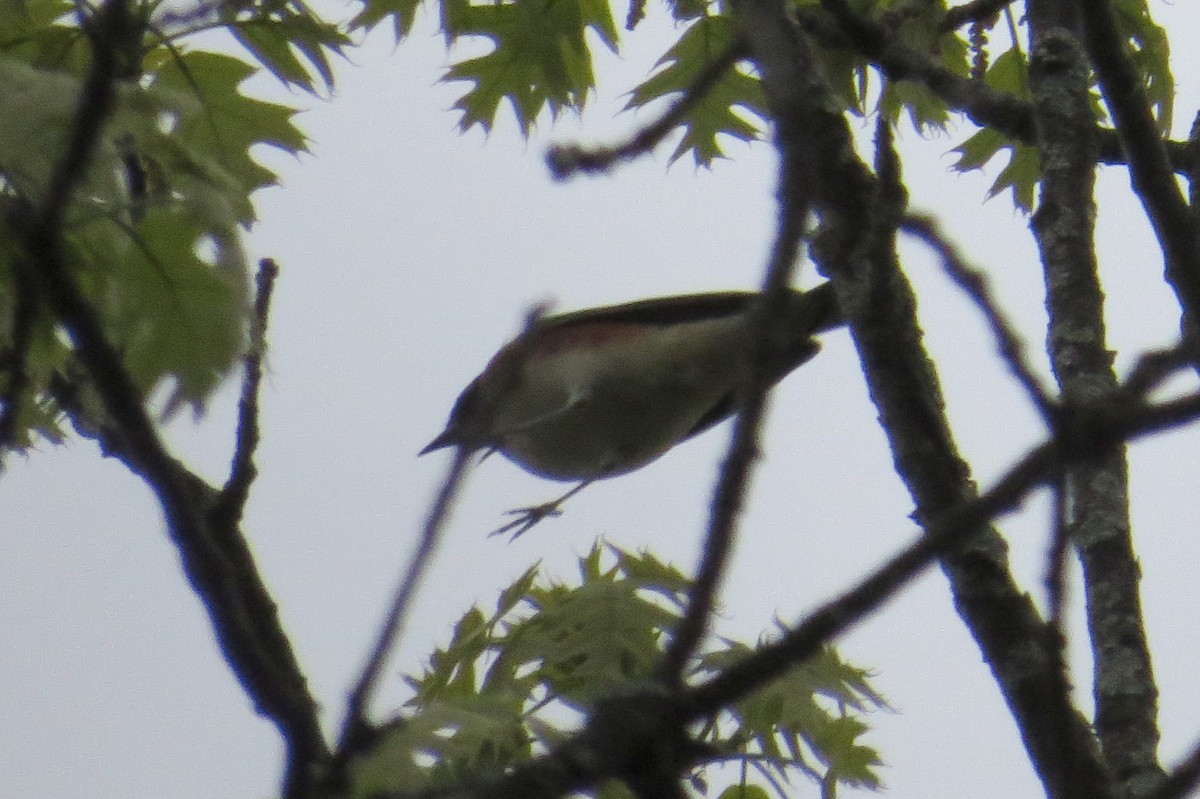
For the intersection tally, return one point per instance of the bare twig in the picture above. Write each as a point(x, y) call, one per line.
point(1155, 367)
point(743, 448)
point(1183, 779)
point(242, 471)
point(566, 160)
point(356, 729)
point(974, 283)
point(1056, 558)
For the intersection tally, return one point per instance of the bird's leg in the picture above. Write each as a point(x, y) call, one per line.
point(528, 517)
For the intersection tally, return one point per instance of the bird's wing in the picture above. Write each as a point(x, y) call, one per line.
point(724, 407)
point(660, 311)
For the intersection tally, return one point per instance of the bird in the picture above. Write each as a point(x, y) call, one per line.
point(596, 393)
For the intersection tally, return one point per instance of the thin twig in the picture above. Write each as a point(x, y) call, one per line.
point(732, 485)
point(1155, 367)
point(356, 729)
point(797, 84)
point(567, 160)
point(1059, 712)
point(1056, 558)
point(242, 470)
point(1183, 779)
point(974, 283)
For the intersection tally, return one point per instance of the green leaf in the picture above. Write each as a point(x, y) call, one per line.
point(1010, 73)
point(1020, 174)
point(513, 595)
point(28, 32)
point(36, 105)
point(275, 37)
point(1152, 55)
point(172, 293)
point(744, 790)
point(540, 57)
point(216, 125)
point(589, 640)
point(551, 647)
point(920, 32)
point(724, 109)
point(925, 110)
point(803, 720)
point(402, 12)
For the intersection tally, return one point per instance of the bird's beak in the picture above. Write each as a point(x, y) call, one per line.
point(446, 439)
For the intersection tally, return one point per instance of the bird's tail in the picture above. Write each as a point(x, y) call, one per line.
point(816, 310)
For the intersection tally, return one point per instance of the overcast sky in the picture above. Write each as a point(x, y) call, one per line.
point(409, 253)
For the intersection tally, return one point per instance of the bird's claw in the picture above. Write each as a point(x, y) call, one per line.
point(527, 518)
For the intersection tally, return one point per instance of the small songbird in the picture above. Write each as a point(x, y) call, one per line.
point(596, 393)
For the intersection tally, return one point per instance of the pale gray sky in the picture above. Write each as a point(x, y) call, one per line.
point(409, 254)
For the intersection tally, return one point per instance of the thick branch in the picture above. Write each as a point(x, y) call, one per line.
point(985, 106)
point(880, 306)
point(1098, 489)
point(215, 558)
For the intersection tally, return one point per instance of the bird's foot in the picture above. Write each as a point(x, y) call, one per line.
point(528, 517)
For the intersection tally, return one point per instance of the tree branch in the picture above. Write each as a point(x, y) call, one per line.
point(974, 283)
point(242, 471)
point(567, 160)
point(1097, 489)
point(985, 106)
point(216, 560)
point(880, 306)
point(357, 732)
point(1150, 166)
point(793, 195)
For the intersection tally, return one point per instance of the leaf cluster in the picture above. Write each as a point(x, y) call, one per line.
point(514, 683)
point(539, 59)
point(153, 236)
